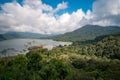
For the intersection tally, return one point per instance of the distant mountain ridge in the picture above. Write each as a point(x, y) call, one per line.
point(88, 32)
point(12, 35)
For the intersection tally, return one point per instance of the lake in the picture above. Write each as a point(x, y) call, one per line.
point(20, 46)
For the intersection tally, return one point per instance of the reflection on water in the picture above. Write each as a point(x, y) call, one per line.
point(20, 46)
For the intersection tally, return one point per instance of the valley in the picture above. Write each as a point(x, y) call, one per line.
point(88, 58)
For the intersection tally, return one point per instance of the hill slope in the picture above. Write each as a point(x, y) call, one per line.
point(100, 61)
point(88, 32)
point(12, 35)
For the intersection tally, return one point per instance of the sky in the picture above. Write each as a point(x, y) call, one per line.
point(56, 16)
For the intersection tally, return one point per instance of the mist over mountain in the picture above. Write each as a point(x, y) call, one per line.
point(12, 35)
point(87, 32)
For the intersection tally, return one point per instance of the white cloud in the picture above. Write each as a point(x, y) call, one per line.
point(31, 17)
point(106, 12)
point(60, 6)
point(37, 4)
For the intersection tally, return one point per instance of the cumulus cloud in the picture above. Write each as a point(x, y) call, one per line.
point(34, 16)
point(61, 6)
point(106, 12)
point(31, 18)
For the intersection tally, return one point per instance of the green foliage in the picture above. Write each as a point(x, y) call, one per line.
point(55, 70)
point(34, 67)
point(34, 61)
point(98, 61)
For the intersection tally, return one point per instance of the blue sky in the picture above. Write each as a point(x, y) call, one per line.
point(73, 5)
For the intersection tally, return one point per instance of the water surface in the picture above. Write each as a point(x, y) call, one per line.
point(19, 46)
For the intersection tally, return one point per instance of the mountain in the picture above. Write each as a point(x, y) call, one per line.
point(12, 35)
point(88, 32)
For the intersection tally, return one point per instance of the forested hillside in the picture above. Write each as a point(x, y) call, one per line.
point(88, 32)
point(98, 61)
